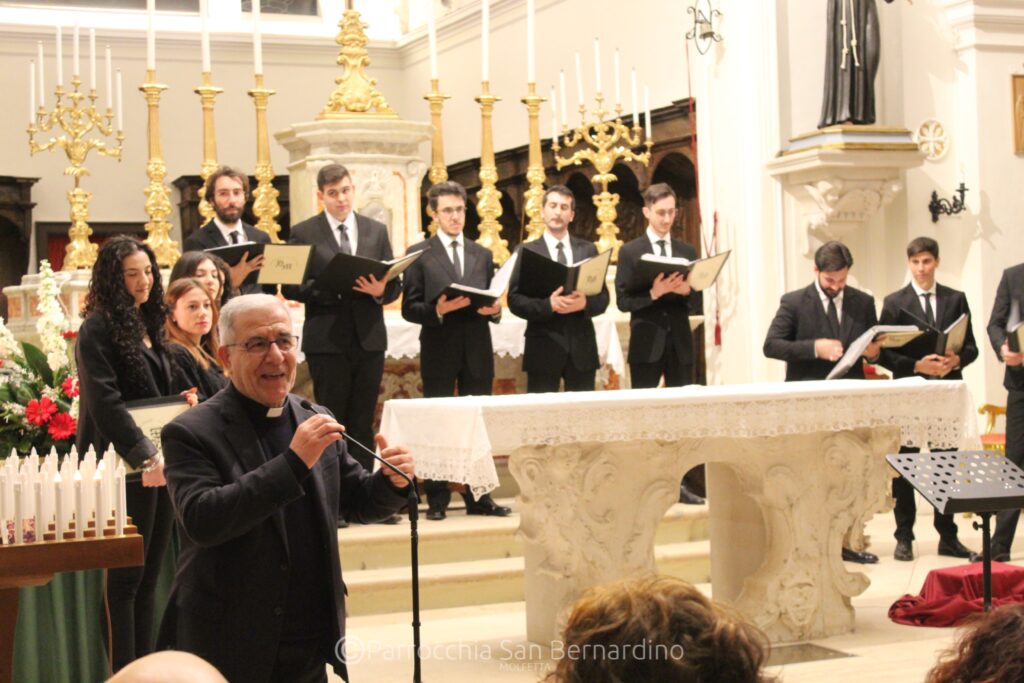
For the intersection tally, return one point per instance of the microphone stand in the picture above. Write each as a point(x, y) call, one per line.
point(413, 504)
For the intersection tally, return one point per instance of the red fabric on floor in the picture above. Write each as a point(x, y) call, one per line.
point(951, 595)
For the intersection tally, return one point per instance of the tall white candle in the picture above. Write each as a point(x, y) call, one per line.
point(579, 79)
point(561, 95)
point(98, 513)
point(485, 38)
point(60, 57)
point(531, 41)
point(38, 511)
point(618, 83)
point(647, 111)
point(31, 92)
point(58, 504)
point(79, 507)
point(17, 513)
point(150, 35)
point(75, 64)
point(42, 85)
point(110, 82)
point(432, 39)
point(92, 59)
point(597, 64)
point(636, 110)
point(121, 506)
point(257, 39)
point(205, 35)
point(120, 102)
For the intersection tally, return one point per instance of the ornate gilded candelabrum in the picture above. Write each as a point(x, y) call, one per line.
point(77, 120)
point(264, 197)
point(438, 172)
point(158, 195)
point(488, 205)
point(534, 196)
point(607, 141)
point(207, 93)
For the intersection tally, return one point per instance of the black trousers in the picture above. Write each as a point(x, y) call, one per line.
point(300, 661)
point(905, 511)
point(468, 384)
point(349, 384)
point(575, 380)
point(130, 591)
point(1006, 521)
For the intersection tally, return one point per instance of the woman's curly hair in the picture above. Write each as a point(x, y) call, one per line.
point(991, 650)
point(109, 298)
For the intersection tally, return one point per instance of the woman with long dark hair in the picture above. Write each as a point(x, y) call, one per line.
point(192, 335)
point(122, 356)
point(209, 269)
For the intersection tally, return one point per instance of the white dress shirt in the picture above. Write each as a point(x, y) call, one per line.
point(824, 300)
point(654, 238)
point(552, 243)
point(934, 305)
point(226, 230)
point(446, 240)
point(350, 229)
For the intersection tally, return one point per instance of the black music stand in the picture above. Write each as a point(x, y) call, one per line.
point(981, 482)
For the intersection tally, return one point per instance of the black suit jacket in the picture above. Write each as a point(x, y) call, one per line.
point(551, 338)
point(801, 320)
point(951, 305)
point(228, 495)
point(1010, 290)
point(655, 326)
point(210, 236)
point(332, 319)
point(103, 418)
point(463, 337)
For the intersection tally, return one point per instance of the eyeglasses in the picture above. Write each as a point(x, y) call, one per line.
point(452, 211)
point(260, 346)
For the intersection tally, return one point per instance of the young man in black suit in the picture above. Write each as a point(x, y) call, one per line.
point(660, 338)
point(1009, 298)
point(814, 325)
point(455, 339)
point(344, 337)
point(227, 191)
point(940, 306)
point(560, 339)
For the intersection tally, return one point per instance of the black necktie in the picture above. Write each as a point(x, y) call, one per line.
point(343, 243)
point(929, 317)
point(234, 237)
point(560, 248)
point(455, 260)
point(661, 245)
point(833, 317)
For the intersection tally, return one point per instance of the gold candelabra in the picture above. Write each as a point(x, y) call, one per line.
point(264, 197)
point(438, 172)
point(488, 205)
point(207, 94)
point(607, 141)
point(77, 121)
point(534, 196)
point(158, 195)
point(356, 93)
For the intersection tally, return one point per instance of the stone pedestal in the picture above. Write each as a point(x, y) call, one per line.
point(384, 158)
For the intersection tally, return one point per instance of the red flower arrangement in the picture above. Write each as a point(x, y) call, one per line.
point(62, 426)
point(70, 386)
point(38, 412)
point(69, 334)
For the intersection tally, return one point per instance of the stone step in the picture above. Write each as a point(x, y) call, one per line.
point(486, 581)
point(461, 537)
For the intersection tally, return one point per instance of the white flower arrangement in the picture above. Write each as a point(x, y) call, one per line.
point(9, 346)
point(53, 321)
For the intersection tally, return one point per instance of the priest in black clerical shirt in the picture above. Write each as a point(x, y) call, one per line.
point(257, 482)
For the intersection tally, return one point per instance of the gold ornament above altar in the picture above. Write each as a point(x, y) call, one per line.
point(356, 94)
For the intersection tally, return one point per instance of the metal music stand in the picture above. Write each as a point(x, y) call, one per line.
point(981, 482)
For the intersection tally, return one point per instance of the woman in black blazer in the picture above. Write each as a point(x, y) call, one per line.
point(122, 356)
point(192, 335)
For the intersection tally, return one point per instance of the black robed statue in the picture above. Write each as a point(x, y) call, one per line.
point(851, 62)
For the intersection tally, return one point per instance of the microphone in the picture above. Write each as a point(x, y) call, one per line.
point(309, 406)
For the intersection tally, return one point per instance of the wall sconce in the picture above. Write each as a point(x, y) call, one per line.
point(703, 33)
point(944, 206)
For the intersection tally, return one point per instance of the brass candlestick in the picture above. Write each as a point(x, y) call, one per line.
point(534, 196)
point(158, 195)
point(356, 93)
point(264, 197)
point(488, 205)
point(207, 93)
point(438, 172)
point(77, 121)
point(608, 141)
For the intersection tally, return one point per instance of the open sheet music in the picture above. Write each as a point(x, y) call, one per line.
point(894, 337)
point(540, 276)
point(702, 272)
point(341, 273)
point(483, 298)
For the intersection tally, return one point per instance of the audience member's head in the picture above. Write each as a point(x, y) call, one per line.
point(210, 270)
point(169, 666)
point(668, 631)
point(192, 320)
point(991, 650)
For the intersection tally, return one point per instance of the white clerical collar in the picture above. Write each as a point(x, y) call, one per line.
point(921, 292)
point(275, 412)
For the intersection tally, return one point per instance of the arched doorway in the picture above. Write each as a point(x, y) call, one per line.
point(678, 172)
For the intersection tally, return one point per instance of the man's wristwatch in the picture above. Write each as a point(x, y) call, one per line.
point(152, 463)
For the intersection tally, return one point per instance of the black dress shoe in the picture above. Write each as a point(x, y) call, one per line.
point(904, 551)
point(436, 514)
point(391, 519)
point(486, 506)
point(954, 548)
point(998, 555)
point(342, 523)
point(859, 557)
point(688, 497)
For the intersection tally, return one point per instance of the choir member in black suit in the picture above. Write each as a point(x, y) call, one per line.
point(939, 306)
point(227, 191)
point(192, 336)
point(122, 356)
point(815, 324)
point(1009, 297)
point(456, 354)
point(560, 339)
